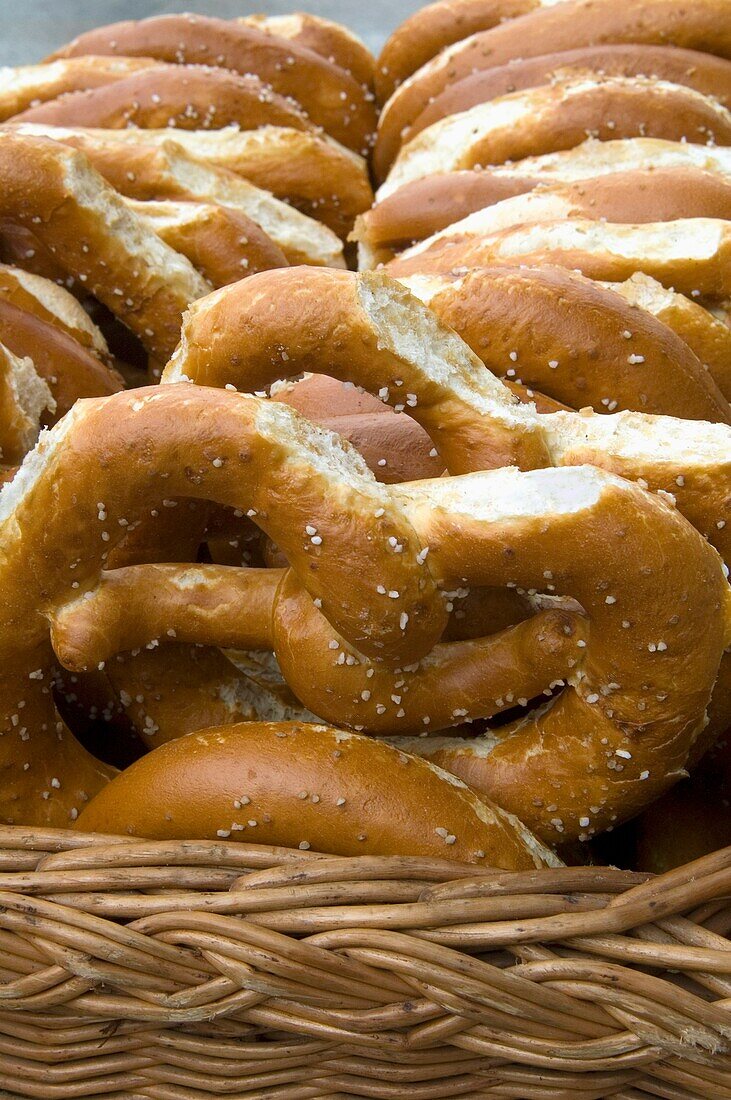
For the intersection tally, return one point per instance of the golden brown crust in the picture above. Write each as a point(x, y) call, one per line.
point(394, 446)
point(432, 28)
point(222, 243)
point(52, 190)
point(187, 97)
point(53, 304)
point(591, 757)
point(575, 341)
point(419, 209)
point(70, 370)
point(27, 85)
point(24, 399)
point(331, 40)
point(711, 76)
point(329, 95)
point(555, 117)
point(365, 329)
point(705, 335)
point(291, 164)
point(62, 518)
point(697, 264)
point(569, 25)
point(239, 782)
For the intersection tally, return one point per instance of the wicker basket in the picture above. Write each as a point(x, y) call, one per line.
point(190, 969)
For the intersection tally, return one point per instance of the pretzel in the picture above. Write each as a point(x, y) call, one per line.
point(395, 447)
point(432, 28)
point(24, 86)
point(245, 452)
point(706, 74)
point(569, 25)
point(569, 338)
point(424, 208)
point(365, 329)
point(222, 243)
point(24, 397)
point(633, 695)
point(599, 158)
point(559, 116)
point(188, 97)
point(331, 40)
point(221, 783)
point(705, 335)
point(52, 190)
point(329, 95)
point(690, 254)
point(53, 304)
point(292, 164)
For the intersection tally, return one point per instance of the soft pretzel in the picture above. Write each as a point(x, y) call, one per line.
point(693, 255)
point(639, 680)
point(367, 330)
point(68, 369)
point(433, 207)
point(188, 97)
point(108, 461)
point(222, 243)
point(52, 190)
point(705, 335)
point(599, 158)
point(332, 98)
point(708, 75)
point(431, 29)
point(239, 782)
point(569, 338)
point(291, 164)
point(331, 40)
point(24, 86)
point(52, 303)
point(24, 397)
point(167, 172)
point(569, 25)
point(559, 116)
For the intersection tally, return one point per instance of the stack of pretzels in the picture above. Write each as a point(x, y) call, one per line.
point(426, 558)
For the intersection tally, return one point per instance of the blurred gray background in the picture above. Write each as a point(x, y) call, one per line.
point(30, 29)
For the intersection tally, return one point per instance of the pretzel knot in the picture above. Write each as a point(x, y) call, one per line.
point(70, 504)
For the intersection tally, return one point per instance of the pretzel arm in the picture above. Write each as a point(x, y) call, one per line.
point(142, 605)
point(622, 731)
point(367, 330)
point(457, 682)
point(53, 190)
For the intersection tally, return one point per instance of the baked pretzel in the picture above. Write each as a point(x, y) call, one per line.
point(238, 782)
point(690, 255)
point(568, 25)
point(332, 98)
point(331, 40)
point(559, 116)
point(429, 30)
point(633, 695)
point(244, 452)
point(222, 243)
point(24, 86)
point(599, 158)
point(187, 97)
point(568, 338)
point(433, 207)
point(291, 164)
point(706, 74)
point(53, 191)
point(52, 303)
point(24, 398)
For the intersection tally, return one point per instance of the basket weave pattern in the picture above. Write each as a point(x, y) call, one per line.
point(185, 969)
